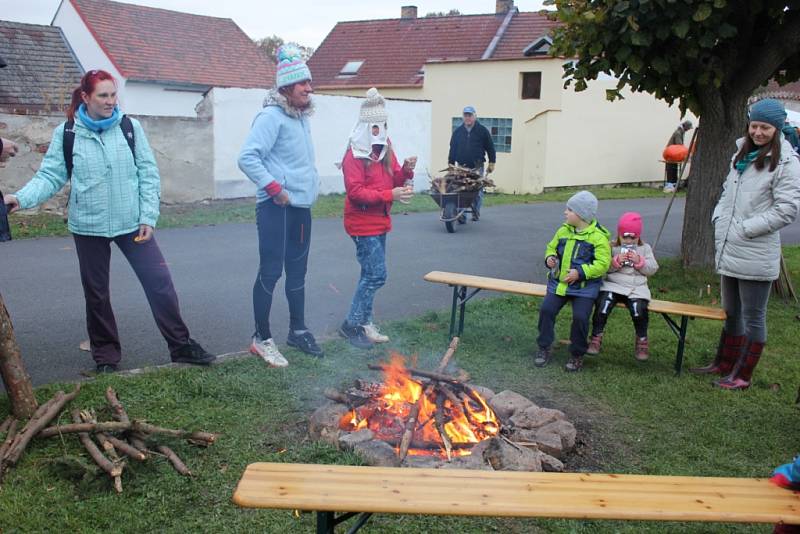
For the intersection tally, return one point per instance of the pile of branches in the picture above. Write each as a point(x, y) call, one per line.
point(458, 178)
point(111, 444)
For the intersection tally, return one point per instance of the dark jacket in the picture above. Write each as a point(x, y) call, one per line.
point(467, 147)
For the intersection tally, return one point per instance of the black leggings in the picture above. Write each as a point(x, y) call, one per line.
point(606, 301)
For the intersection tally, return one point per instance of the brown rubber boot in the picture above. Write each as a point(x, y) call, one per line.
point(728, 352)
point(742, 373)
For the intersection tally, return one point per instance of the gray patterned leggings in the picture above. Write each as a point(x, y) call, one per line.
point(745, 303)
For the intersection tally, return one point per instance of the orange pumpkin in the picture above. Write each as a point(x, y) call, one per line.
point(675, 153)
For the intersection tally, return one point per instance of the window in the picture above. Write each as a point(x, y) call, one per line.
point(531, 85)
point(499, 128)
point(351, 68)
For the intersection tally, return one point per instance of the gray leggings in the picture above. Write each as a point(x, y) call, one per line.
point(745, 303)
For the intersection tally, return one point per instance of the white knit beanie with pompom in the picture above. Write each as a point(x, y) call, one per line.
point(373, 109)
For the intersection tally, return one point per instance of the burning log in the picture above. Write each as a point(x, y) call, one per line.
point(411, 424)
point(425, 374)
point(439, 422)
point(113, 470)
point(176, 462)
point(451, 350)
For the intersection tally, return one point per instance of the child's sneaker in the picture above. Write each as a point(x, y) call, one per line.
point(356, 335)
point(268, 351)
point(575, 363)
point(595, 344)
point(642, 351)
point(373, 334)
point(542, 357)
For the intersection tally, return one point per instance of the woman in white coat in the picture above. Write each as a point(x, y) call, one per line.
point(761, 195)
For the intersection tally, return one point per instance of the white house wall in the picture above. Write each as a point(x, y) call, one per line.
point(154, 99)
point(331, 123)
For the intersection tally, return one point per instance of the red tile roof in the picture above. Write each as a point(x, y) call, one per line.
point(394, 50)
point(524, 29)
point(151, 44)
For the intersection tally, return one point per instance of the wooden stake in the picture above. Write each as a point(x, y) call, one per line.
point(179, 466)
point(12, 371)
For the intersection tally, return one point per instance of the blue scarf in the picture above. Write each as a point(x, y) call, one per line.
point(742, 164)
point(97, 126)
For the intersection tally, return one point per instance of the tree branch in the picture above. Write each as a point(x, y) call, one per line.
point(763, 61)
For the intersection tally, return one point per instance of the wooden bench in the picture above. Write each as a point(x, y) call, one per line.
point(338, 492)
point(461, 283)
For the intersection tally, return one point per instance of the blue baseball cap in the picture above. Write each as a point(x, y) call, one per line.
point(470, 109)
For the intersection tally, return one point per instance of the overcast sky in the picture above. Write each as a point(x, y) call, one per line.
point(308, 23)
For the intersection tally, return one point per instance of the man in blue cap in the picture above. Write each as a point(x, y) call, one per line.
point(468, 144)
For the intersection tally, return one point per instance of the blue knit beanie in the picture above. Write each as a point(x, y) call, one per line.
point(291, 67)
point(584, 204)
point(770, 111)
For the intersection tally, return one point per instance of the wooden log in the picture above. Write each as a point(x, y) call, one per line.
point(113, 470)
point(419, 372)
point(127, 449)
point(118, 411)
point(139, 441)
point(452, 397)
point(35, 424)
point(411, 424)
point(439, 422)
point(12, 371)
point(101, 437)
point(451, 349)
point(176, 462)
point(134, 425)
point(336, 396)
point(12, 433)
point(6, 424)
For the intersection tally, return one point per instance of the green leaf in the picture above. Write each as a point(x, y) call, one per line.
point(661, 65)
point(726, 30)
point(719, 4)
point(641, 39)
point(636, 63)
point(681, 29)
point(632, 23)
point(623, 53)
point(589, 15)
point(702, 13)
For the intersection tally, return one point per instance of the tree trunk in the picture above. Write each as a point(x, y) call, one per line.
point(15, 378)
point(722, 122)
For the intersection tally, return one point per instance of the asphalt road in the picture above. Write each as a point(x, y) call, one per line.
point(213, 268)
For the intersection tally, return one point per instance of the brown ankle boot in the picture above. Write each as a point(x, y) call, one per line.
point(595, 343)
point(728, 352)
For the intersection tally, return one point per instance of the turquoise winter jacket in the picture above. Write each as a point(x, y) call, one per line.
point(111, 193)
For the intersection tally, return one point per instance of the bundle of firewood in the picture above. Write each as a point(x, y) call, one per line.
point(458, 178)
point(110, 443)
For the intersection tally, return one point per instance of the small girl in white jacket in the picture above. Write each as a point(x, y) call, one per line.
point(632, 261)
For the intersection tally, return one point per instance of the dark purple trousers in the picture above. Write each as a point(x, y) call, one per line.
point(94, 257)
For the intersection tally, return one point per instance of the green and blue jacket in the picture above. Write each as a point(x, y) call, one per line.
point(588, 251)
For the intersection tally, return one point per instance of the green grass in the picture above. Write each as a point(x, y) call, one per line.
point(242, 211)
point(632, 417)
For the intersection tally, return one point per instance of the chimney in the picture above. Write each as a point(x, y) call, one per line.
point(503, 6)
point(408, 12)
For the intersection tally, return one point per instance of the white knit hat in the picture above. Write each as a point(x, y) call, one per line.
point(373, 109)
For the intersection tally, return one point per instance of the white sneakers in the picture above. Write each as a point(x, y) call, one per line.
point(373, 334)
point(669, 188)
point(268, 351)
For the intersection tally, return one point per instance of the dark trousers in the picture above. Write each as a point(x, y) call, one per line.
point(581, 311)
point(606, 301)
point(284, 239)
point(745, 305)
point(672, 173)
point(94, 258)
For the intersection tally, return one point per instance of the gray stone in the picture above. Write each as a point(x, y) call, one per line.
point(507, 403)
point(549, 443)
point(535, 417)
point(503, 456)
point(377, 453)
point(324, 422)
point(565, 430)
point(472, 461)
point(550, 463)
point(348, 439)
point(429, 462)
point(486, 393)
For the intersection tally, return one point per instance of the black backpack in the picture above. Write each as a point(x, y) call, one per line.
point(69, 140)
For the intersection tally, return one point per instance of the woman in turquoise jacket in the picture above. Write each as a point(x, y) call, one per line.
point(114, 197)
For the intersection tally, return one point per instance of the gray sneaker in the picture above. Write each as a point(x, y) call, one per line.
point(542, 357)
point(268, 351)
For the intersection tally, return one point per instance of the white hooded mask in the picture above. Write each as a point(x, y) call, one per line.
point(364, 135)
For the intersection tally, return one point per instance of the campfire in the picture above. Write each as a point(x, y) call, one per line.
point(421, 418)
point(443, 416)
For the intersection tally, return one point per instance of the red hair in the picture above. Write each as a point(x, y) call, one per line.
point(88, 84)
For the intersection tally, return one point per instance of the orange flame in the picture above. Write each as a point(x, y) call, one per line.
point(471, 420)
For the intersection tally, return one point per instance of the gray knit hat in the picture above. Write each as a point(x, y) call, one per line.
point(373, 108)
point(584, 204)
point(769, 110)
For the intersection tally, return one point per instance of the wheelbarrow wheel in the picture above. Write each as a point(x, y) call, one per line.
point(449, 212)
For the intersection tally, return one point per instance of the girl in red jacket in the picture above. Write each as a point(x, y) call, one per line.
point(373, 180)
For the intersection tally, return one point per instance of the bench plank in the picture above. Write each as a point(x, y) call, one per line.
point(502, 493)
point(539, 290)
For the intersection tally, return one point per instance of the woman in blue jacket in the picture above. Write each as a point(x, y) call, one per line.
point(114, 197)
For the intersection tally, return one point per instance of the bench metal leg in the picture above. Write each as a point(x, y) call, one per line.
point(679, 331)
point(460, 299)
point(327, 521)
point(453, 311)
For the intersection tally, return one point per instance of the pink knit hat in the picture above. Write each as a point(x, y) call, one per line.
point(630, 223)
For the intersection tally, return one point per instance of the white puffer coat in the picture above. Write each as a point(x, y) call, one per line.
point(753, 207)
point(628, 281)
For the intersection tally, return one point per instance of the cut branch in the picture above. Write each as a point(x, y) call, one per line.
point(118, 410)
point(12, 433)
point(179, 466)
point(451, 349)
point(114, 471)
point(135, 425)
point(419, 372)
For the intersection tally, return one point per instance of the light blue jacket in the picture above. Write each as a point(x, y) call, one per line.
point(111, 194)
point(279, 148)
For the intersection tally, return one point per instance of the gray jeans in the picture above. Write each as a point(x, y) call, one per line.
point(745, 303)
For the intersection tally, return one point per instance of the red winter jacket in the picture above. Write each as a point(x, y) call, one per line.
point(368, 204)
